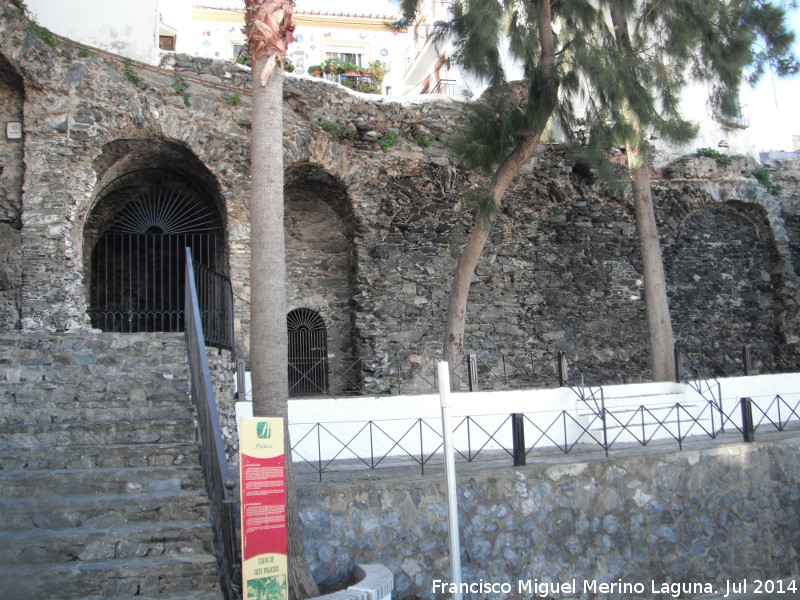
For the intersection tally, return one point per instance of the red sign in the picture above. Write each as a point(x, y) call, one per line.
point(262, 468)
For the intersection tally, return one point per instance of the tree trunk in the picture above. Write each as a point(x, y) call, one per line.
point(453, 346)
point(268, 335)
point(659, 325)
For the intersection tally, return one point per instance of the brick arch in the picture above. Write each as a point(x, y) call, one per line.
point(720, 261)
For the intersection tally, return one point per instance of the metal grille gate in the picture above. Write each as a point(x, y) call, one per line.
point(137, 279)
point(308, 353)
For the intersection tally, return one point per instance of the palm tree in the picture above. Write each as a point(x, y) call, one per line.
point(269, 26)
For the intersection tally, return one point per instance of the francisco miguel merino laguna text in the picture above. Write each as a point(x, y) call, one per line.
point(542, 589)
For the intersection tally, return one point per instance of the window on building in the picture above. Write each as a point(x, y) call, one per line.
point(167, 42)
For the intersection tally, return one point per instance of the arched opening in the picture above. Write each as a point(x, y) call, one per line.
point(308, 353)
point(320, 259)
point(135, 240)
point(719, 270)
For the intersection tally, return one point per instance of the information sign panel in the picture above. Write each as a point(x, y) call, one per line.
point(262, 468)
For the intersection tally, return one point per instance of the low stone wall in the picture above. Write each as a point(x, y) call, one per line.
point(699, 519)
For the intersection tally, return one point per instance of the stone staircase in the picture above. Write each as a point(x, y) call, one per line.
point(101, 492)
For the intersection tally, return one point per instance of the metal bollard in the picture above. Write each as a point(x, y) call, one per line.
point(748, 429)
point(518, 437)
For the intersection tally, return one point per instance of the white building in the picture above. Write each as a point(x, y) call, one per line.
point(132, 28)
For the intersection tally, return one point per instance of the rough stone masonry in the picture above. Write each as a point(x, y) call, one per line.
point(375, 206)
point(698, 518)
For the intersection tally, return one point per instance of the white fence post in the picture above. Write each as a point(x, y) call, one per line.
point(450, 471)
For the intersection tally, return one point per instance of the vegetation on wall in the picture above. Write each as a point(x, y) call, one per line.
point(762, 175)
point(130, 73)
point(721, 158)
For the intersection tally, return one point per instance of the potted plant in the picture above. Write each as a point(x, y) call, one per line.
point(377, 70)
point(332, 66)
point(349, 68)
point(315, 70)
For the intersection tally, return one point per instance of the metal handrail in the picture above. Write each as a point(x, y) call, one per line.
point(215, 301)
point(219, 484)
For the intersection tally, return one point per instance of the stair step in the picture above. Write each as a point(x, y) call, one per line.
point(151, 575)
point(89, 388)
point(87, 457)
point(102, 510)
point(73, 482)
point(86, 434)
point(94, 411)
point(127, 540)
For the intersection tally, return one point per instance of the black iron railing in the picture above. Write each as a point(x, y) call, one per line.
point(136, 282)
point(215, 300)
point(350, 446)
point(219, 484)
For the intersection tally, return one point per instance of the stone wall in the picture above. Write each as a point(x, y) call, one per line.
point(701, 516)
point(372, 228)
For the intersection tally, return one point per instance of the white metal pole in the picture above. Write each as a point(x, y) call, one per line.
point(450, 471)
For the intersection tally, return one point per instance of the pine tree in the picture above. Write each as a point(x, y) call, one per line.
point(650, 53)
point(625, 80)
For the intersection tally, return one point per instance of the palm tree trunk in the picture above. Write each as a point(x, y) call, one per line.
point(268, 335)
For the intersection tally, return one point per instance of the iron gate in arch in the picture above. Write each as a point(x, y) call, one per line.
point(138, 260)
point(308, 353)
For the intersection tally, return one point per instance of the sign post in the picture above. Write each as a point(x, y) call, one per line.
point(450, 474)
point(262, 472)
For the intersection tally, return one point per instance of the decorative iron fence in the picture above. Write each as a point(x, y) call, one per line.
point(136, 281)
point(347, 446)
point(219, 483)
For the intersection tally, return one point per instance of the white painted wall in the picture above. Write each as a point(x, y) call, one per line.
point(558, 412)
point(126, 27)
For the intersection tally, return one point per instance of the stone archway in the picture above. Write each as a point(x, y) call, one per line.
point(720, 268)
point(320, 260)
point(154, 201)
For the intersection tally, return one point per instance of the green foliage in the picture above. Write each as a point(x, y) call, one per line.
point(180, 86)
point(41, 33)
point(720, 157)
point(234, 99)
point(491, 130)
point(422, 139)
point(482, 204)
point(130, 73)
point(389, 139)
point(762, 175)
point(457, 237)
point(84, 53)
point(338, 130)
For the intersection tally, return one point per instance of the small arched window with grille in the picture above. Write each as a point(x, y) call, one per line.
point(308, 353)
